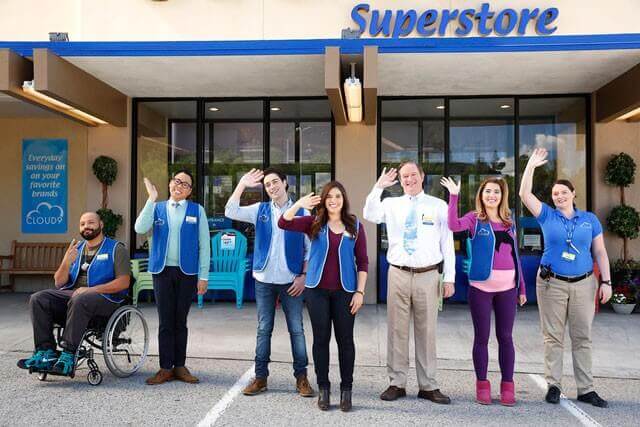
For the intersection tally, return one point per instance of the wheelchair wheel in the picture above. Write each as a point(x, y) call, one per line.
point(125, 342)
point(94, 377)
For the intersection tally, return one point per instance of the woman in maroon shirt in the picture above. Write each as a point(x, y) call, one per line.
point(336, 277)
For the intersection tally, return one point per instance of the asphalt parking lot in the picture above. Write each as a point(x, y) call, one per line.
point(221, 351)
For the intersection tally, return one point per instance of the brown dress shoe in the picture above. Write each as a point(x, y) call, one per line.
point(435, 396)
point(393, 393)
point(303, 387)
point(161, 377)
point(257, 386)
point(182, 374)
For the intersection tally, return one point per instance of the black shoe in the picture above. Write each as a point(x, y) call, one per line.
point(345, 400)
point(393, 393)
point(553, 395)
point(435, 396)
point(323, 399)
point(593, 398)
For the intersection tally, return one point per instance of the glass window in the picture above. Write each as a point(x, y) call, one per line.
point(166, 142)
point(413, 129)
point(300, 137)
point(560, 126)
point(234, 144)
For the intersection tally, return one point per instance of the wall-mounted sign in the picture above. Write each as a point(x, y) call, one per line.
point(401, 23)
point(44, 186)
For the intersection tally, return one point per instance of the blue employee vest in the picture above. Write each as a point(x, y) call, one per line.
point(293, 242)
point(101, 269)
point(189, 239)
point(346, 253)
point(482, 244)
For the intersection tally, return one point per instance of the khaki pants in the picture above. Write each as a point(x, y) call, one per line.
point(558, 303)
point(408, 295)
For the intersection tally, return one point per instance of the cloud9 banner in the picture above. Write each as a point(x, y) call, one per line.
point(44, 186)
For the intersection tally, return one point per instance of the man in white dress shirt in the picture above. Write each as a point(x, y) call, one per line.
point(420, 242)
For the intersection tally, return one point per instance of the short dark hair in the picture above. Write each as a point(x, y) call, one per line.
point(186, 172)
point(281, 175)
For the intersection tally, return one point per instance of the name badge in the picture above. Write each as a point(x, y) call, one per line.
point(191, 219)
point(102, 257)
point(568, 256)
point(427, 220)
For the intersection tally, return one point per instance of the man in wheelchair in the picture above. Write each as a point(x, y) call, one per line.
point(92, 281)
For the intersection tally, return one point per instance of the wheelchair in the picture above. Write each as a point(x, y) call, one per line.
point(122, 338)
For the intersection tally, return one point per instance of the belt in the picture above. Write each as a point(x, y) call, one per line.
point(416, 270)
point(570, 279)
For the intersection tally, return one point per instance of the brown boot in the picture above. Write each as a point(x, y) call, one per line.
point(303, 387)
point(182, 374)
point(161, 377)
point(257, 386)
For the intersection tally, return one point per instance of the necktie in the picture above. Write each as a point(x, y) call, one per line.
point(411, 228)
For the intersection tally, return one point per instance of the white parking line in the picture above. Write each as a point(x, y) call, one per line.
point(227, 399)
point(584, 418)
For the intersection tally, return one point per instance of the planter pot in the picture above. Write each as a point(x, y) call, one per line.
point(623, 308)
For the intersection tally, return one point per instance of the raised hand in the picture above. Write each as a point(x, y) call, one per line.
point(309, 201)
point(151, 189)
point(450, 184)
point(538, 158)
point(72, 253)
point(387, 178)
point(252, 179)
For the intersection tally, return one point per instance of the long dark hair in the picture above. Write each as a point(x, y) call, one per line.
point(322, 217)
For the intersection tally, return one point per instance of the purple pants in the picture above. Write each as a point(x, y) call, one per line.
point(504, 305)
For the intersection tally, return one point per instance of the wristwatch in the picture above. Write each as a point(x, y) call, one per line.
point(606, 282)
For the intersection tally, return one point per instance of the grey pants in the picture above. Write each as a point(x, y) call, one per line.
point(53, 306)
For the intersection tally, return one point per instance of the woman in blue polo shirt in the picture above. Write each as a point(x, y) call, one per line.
point(565, 286)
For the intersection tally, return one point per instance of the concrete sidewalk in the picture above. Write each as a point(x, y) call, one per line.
point(220, 331)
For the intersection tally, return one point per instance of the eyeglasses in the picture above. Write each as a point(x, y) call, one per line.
point(182, 184)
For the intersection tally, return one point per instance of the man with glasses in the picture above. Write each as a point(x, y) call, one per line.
point(179, 262)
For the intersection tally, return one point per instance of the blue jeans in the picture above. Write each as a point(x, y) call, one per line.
point(266, 294)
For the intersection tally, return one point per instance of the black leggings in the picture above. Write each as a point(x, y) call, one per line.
point(325, 307)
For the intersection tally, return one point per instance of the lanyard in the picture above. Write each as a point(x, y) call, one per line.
point(570, 230)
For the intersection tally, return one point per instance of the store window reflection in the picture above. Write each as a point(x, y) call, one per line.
point(560, 126)
point(166, 143)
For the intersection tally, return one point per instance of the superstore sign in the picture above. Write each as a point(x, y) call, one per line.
point(401, 23)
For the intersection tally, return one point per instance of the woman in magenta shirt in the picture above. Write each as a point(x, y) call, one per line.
point(495, 279)
point(336, 277)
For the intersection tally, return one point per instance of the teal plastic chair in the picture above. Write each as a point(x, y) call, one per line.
point(228, 264)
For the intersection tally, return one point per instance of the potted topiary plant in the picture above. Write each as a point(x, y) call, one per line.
point(624, 221)
point(106, 169)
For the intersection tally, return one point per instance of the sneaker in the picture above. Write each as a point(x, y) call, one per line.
point(65, 364)
point(593, 398)
point(553, 395)
point(40, 360)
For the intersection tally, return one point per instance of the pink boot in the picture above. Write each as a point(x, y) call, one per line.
point(507, 393)
point(483, 392)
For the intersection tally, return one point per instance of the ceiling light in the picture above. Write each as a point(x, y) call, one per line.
point(505, 106)
point(353, 96)
point(440, 107)
point(629, 114)
point(275, 108)
point(28, 91)
point(214, 109)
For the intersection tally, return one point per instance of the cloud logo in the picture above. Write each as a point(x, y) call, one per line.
point(45, 214)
